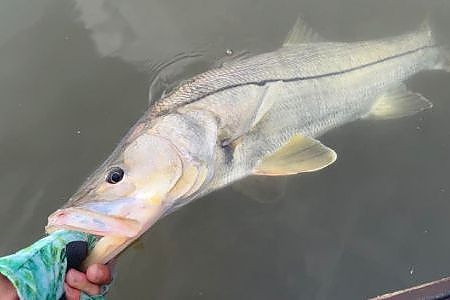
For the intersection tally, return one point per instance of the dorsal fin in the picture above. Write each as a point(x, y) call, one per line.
point(302, 34)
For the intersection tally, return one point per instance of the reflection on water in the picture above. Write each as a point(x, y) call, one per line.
point(74, 76)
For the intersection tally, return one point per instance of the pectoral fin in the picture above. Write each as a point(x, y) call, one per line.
point(267, 100)
point(300, 154)
point(398, 103)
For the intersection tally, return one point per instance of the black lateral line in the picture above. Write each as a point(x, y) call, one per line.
point(304, 78)
point(263, 82)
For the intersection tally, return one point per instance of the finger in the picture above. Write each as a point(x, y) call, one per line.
point(71, 293)
point(98, 274)
point(7, 290)
point(78, 280)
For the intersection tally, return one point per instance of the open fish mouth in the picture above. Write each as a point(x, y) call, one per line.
point(84, 220)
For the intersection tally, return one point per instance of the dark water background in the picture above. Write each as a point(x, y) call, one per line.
point(74, 77)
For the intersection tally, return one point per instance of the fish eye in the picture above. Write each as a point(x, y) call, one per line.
point(115, 175)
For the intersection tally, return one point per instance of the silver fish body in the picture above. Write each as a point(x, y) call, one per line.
point(259, 115)
point(310, 89)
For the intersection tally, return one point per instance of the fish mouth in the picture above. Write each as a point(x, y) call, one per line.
point(100, 219)
point(88, 221)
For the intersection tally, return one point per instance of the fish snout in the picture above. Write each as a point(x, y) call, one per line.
point(117, 226)
point(88, 221)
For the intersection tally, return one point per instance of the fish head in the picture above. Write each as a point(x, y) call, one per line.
point(128, 192)
point(157, 168)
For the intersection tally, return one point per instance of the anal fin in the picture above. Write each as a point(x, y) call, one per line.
point(398, 103)
point(300, 154)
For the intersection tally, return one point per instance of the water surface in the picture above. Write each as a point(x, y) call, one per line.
point(74, 76)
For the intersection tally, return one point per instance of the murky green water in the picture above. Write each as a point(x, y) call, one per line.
point(73, 80)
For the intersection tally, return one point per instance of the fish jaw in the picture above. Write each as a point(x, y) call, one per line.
point(125, 217)
point(130, 225)
point(110, 246)
point(116, 232)
point(88, 221)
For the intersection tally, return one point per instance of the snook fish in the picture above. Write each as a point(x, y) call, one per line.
point(258, 115)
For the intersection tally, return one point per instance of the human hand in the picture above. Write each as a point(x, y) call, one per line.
point(39, 271)
point(7, 289)
point(76, 282)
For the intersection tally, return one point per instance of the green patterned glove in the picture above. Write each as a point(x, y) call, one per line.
point(38, 271)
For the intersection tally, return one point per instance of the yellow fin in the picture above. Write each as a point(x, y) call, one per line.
point(398, 103)
point(300, 154)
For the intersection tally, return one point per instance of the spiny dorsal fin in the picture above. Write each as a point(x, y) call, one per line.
point(302, 34)
point(300, 154)
point(397, 103)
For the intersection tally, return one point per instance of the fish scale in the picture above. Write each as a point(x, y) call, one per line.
point(255, 116)
point(289, 63)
